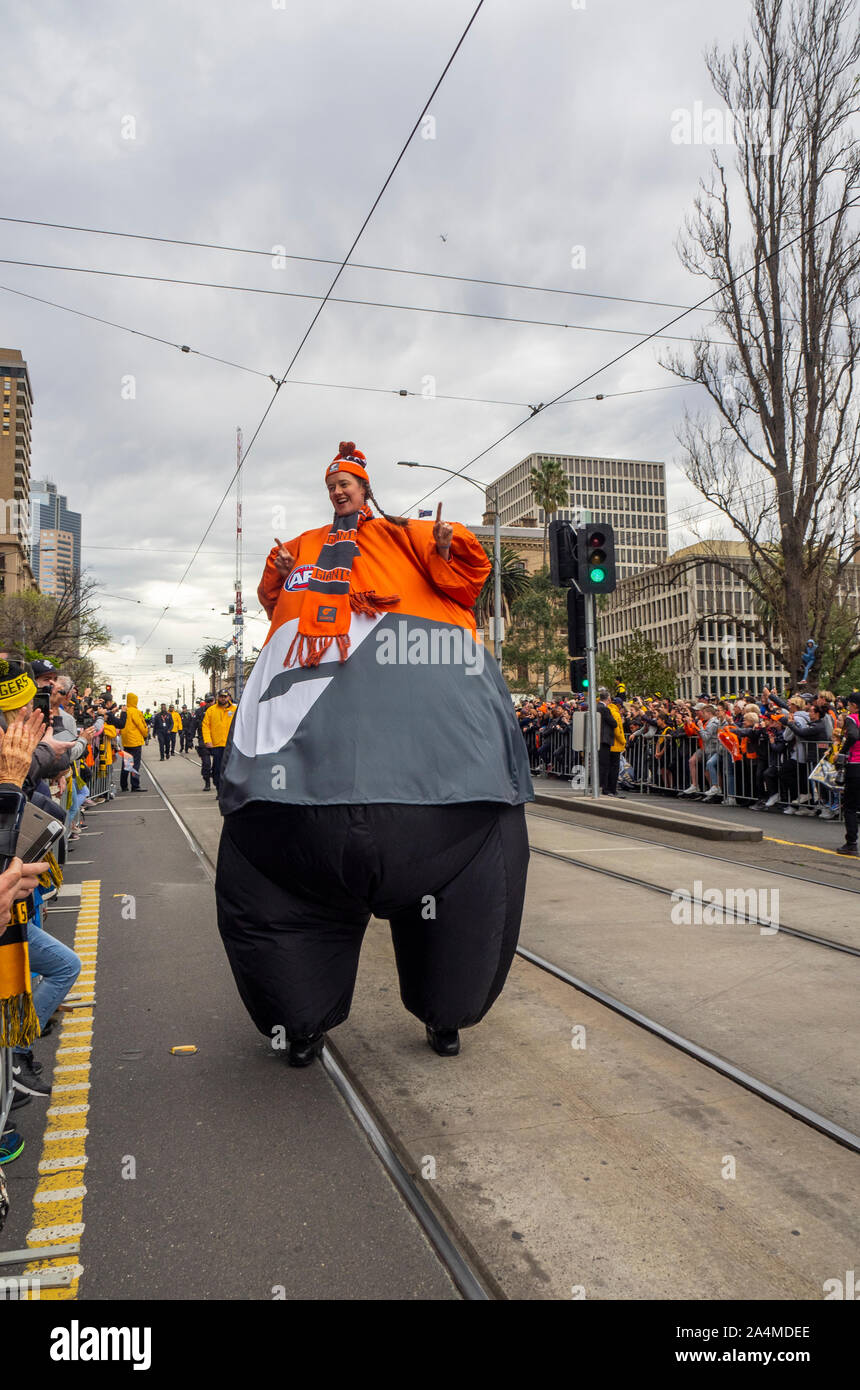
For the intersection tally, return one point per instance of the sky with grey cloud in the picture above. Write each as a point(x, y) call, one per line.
point(262, 126)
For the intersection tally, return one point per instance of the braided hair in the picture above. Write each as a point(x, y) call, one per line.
point(395, 520)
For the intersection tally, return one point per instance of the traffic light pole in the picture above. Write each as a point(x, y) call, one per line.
point(591, 669)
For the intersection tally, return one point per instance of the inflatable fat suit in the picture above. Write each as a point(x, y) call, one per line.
point(374, 767)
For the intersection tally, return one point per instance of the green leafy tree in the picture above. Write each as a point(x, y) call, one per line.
point(514, 581)
point(537, 638)
point(213, 660)
point(551, 490)
point(836, 668)
point(641, 667)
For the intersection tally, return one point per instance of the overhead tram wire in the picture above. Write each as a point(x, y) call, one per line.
point(380, 304)
point(320, 308)
point(139, 333)
point(354, 265)
point(323, 385)
point(633, 347)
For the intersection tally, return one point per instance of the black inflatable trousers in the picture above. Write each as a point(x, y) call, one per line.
point(296, 887)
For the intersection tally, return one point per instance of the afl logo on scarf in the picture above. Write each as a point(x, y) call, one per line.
point(298, 578)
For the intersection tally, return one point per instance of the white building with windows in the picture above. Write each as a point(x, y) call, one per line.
point(692, 619)
point(628, 493)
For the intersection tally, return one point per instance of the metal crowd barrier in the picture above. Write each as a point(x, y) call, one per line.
point(556, 752)
point(6, 1089)
point(101, 774)
point(657, 766)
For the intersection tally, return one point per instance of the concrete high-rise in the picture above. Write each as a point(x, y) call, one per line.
point(56, 538)
point(628, 493)
point(16, 397)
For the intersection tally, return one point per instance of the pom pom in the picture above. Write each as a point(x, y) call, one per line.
point(345, 449)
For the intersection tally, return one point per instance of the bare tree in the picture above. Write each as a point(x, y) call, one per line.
point(780, 457)
point(64, 627)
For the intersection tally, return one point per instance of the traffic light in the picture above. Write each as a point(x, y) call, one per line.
point(562, 553)
point(595, 554)
point(576, 640)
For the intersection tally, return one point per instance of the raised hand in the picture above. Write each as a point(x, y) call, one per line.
point(443, 534)
point(19, 744)
point(284, 560)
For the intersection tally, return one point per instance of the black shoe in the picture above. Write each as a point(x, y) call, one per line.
point(848, 849)
point(20, 1098)
point(303, 1051)
point(137, 789)
point(35, 1067)
point(206, 787)
point(24, 1078)
point(445, 1041)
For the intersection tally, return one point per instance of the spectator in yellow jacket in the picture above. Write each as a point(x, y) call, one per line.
point(216, 726)
point(132, 727)
point(176, 718)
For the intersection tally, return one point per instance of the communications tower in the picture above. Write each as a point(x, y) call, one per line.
point(238, 614)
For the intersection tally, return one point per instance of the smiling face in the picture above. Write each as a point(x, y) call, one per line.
point(346, 493)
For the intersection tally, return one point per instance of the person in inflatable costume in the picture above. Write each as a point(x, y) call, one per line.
point(374, 766)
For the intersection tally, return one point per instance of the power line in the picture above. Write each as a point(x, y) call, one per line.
point(183, 347)
point(837, 212)
point(326, 385)
point(354, 265)
point(377, 303)
point(325, 300)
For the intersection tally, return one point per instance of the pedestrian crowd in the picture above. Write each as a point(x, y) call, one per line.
point(50, 741)
point(799, 755)
point(61, 752)
point(205, 727)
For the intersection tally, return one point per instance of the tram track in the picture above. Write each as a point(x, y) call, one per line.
point(470, 1276)
point(564, 819)
point(805, 1114)
point(737, 916)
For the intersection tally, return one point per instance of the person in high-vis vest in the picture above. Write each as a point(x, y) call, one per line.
point(374, 766)
point(613, 741)
point(176, 719)
point(215, 728)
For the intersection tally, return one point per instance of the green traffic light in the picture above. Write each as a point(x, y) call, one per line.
point(585, 683)
point(597, 575)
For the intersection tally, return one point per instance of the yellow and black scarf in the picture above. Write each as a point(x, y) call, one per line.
point(18, 1022)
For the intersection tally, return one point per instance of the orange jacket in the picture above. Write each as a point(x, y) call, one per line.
point(444, 590)
point(357, 728)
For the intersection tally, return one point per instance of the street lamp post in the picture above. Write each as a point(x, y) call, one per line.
point(497, 548)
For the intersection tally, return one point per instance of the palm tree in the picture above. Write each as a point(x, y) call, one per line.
point(213, 660)
point(514, 581)
point(550, 490)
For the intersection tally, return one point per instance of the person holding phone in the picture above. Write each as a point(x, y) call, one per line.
point(58, 966)
point(374, 765)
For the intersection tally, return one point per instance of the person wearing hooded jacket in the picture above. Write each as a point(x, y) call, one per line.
point(374, 765)
point(132, 729)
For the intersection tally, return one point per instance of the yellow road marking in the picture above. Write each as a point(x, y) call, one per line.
point(819, 849)
point(58, 1201)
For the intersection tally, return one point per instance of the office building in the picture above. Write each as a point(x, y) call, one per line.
point(16, 404)
point(686, 608)
point(628, 493)
point(56, 538)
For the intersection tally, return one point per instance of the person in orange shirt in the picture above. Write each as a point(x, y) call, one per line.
point(374, 765)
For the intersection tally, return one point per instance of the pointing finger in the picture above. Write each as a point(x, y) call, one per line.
point(439, 512)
